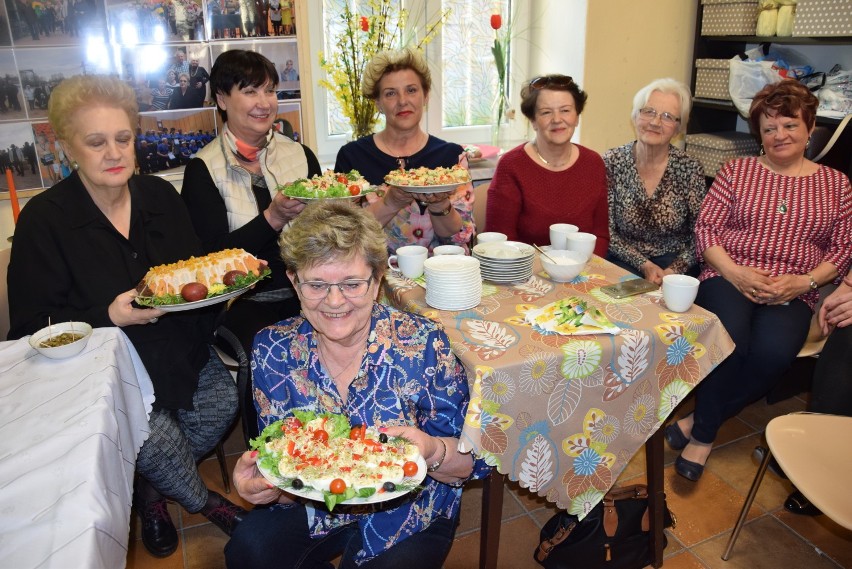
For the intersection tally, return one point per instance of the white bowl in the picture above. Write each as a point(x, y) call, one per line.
point(570, 264)
point(65, 350)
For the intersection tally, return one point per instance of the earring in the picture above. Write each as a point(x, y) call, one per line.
point(74, 165)
point(808, 143)
point(762, 151)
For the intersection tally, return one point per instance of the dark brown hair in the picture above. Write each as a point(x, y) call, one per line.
point(530, 91)
point(786, 98)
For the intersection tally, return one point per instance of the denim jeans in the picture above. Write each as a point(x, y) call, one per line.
point(277, 537)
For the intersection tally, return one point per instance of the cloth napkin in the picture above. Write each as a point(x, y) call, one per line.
point(570, 317)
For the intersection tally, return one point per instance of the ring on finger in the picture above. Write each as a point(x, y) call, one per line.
point(754, 292)
point(153, 320)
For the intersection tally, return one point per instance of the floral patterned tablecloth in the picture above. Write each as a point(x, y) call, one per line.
point(563, 415)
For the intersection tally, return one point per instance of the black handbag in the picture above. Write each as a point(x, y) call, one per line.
point(614, 535)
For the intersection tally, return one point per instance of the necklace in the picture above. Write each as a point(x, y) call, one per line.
point(782, 207)
point(554, 165)
point(325, 359)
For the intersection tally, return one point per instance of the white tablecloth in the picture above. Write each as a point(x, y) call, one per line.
point(70, 431)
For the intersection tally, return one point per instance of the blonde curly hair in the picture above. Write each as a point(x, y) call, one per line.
point(86, 91)
point(386, 62)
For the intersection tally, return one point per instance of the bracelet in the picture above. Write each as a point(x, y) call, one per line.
point(441, 213)
point(813, 283)
point(437, 464)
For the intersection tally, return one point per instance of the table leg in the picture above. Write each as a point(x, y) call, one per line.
point(656, 495)
point(492, 514)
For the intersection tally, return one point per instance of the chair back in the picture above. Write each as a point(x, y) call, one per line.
point(480, 194)
point(837, 151)
point(4, 293)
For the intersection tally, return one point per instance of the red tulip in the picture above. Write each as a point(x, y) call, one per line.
point(496, 21)
point(365, 24)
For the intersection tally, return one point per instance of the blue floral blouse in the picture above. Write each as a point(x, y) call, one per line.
point(409, 376)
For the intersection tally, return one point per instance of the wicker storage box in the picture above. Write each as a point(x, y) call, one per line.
point(711, 78)
point(714, 149)
point(729, 17)
point(815, 18)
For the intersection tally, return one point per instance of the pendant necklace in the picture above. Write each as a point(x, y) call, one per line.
point(782, 207)
point(554, 165)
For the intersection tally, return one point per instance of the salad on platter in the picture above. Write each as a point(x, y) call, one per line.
point(323, 457)
point(329, 185)
point(426, 177)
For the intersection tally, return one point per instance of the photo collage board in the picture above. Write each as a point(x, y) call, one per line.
point(164, 49)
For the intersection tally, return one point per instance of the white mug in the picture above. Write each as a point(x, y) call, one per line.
point(679, 292)
point(448, 250)
point(581, 242)
point(490, 236)
point(409, 260)
point(559, 234)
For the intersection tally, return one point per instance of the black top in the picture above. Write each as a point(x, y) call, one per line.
point(69, 263)
point(210, 219)
point(363, 155)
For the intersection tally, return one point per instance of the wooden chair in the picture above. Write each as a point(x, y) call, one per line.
point(480, 194)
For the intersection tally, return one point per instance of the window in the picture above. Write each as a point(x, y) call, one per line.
point(464, 76)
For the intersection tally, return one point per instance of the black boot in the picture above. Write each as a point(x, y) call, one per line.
point(158, 532)
point(224, 514)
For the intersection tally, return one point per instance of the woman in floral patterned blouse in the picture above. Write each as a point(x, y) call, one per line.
point(380, 367)
point(655, 189)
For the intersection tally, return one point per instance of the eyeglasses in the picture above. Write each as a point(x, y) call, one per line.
point(550, 81)
point(318, 290)
point(650, 113)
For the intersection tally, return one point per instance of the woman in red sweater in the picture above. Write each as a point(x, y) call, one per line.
point(550, 180)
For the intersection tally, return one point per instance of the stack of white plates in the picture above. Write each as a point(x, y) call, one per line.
point(505, 261)
point(452, 282)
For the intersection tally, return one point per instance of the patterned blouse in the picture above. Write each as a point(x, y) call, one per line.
point(783, 224)
point(408, 376)
point(641, 227)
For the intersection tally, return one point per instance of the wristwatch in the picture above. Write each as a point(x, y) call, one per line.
point(814, 284)
point(441, 213)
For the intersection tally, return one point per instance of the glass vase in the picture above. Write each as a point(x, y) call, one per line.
point(499, 121)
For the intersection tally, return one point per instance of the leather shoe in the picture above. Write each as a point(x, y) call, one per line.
point(759, 452)
point(675, 437)
point(688, 469)
point(159, 535)
point(796, 503)
point(224, 514)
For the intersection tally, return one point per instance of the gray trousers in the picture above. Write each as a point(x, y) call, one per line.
point(180, 438)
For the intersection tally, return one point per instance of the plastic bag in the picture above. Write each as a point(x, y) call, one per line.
point(747, 78)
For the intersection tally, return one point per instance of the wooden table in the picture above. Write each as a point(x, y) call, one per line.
point(563, 415)
point(70, 431)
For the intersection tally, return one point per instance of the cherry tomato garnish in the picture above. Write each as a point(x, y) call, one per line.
point(409, 468)
point(321, 436)
point(354, 190)
point(337, 486)
point(342, 179)
point(355, 434)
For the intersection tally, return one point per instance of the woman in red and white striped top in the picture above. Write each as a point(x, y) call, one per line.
point(771, 230)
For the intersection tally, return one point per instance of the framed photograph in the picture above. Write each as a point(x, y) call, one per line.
point(11, 96)
point(155, 21)
point(167, 77)
point(17, 151)
point(51, 158)
point(43, 69)
point(169, 139)
point(55, 22)
point(282, 53)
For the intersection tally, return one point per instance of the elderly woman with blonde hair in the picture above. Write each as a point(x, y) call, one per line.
point(654, 188)
point(399, 83)
point(347, 354)
point(81, 247)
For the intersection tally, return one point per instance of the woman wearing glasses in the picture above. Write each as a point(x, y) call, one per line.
point(349, 355)
point(655, 189)
point(550, 180)
point(399, 83)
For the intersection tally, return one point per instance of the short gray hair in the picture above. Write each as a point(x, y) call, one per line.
point(666, 85)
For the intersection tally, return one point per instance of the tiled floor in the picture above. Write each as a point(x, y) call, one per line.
point(706, 512)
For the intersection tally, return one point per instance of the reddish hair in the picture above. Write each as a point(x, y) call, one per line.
point(786, 98)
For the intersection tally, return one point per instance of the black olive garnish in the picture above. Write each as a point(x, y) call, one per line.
point(389, 487)
point(268, 439)
point(298, 484)
point(383, 438)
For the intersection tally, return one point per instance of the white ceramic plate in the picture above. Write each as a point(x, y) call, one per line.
point(306, 199)
point(430, 189)
point(313, 494)
point(198, 303)
point(503, 250)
